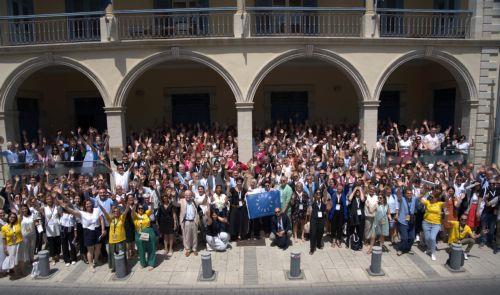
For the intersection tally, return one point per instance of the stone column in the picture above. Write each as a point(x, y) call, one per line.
point(370, 20)
point(116, 129)
point(9, 131)
point(245, 132)
point(476, 23)
point(109, 25)
point(241, 24)
point(368, 121)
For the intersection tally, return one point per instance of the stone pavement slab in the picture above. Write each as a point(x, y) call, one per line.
point(266, 266)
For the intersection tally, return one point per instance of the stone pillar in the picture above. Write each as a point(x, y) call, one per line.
point(241, 25)
point(476, 23)
point(245, 131)
point(368, 121)
point(468, 124)
point(370, 20)
point(109, 25)
point(9, 131)
point(116, 129)
point(9, 125)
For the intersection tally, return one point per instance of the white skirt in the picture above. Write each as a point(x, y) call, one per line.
point(13, 259)
point(2, 254)
point(28, 247)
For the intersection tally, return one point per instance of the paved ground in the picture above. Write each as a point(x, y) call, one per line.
point(245, 270)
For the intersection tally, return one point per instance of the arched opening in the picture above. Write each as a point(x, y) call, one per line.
point(179, 92)
point(56, 98)
point(423, 89)
point(306, 88)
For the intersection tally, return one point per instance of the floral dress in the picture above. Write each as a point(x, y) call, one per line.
point(299, 206)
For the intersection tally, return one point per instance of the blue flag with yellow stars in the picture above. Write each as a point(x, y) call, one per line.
point(263, 204)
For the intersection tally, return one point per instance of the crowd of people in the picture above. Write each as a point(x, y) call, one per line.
point(187, 184)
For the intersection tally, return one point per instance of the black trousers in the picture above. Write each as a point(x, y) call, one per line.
point(54, 245)
point(104, 242)
point(337, 223)
point(316, 231)
point(68, 248)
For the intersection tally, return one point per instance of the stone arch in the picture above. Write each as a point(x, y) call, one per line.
point(173, 54)
point(345, 66)
point(453, 65)
point(19, 75)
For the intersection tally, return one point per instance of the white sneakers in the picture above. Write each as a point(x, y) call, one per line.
point(433, 257)
point(417, 239)
point(466, 257)
point(68, 264)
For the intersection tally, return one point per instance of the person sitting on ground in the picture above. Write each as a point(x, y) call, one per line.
point(217, 238)
point(280, 229)
point(461, 233)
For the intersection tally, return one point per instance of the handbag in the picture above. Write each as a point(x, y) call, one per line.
point(144, 236)
point(307, 227)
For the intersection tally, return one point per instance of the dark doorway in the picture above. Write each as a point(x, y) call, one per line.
point(444, 107)
point(89, 112)
point(389, 106)
point(287, 105)
point(191, 108)
point(28, 117)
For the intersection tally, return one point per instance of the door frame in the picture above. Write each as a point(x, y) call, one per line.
point(167, 100)
point(459, 102)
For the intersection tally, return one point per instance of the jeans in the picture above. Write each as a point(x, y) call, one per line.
point(488, 221)
point(407, 235)
point(430, 233)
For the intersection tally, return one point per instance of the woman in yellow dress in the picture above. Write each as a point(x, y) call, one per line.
point(145, 237)
point(116, 234)
point(12, 242)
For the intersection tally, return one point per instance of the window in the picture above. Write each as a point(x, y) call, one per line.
point(287, 105)
point(20, 7)
point(85, 5)
point(189, 3)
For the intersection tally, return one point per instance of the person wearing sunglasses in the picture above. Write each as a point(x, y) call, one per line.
point(280, 229)
point(145, 237)
point(461, 233)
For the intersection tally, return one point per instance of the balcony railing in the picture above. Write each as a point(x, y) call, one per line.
point(305, 21)
point(50, 28)
point(175, 23)
point(407, 23)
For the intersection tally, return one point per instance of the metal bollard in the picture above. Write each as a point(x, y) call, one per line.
point(456, 259)
point(43, 263)
point(207, 273)
point(375, 268)
point(120, 265)
point(295, 264)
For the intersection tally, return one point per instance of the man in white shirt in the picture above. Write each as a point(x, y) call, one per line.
point(432, 141)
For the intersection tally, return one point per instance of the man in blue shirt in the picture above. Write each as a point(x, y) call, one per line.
point(406, 222)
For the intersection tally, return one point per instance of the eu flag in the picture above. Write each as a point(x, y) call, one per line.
point(263, 204)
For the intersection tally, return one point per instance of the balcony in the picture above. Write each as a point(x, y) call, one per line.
point(50, 28)
point(416, 23)
point(175, 23)
point(223, 22)
point(306, 21)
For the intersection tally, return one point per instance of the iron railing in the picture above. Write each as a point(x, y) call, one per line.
point(415, 23)
point(55, 168)
point(306, 21)
point(175, 23)
point(50, 28)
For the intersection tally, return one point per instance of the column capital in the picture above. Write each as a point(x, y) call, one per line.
point(244, 106)
point(114, 110)
point(8, 113)
point(472, 103)
point(369, 104)
point(109, 8)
